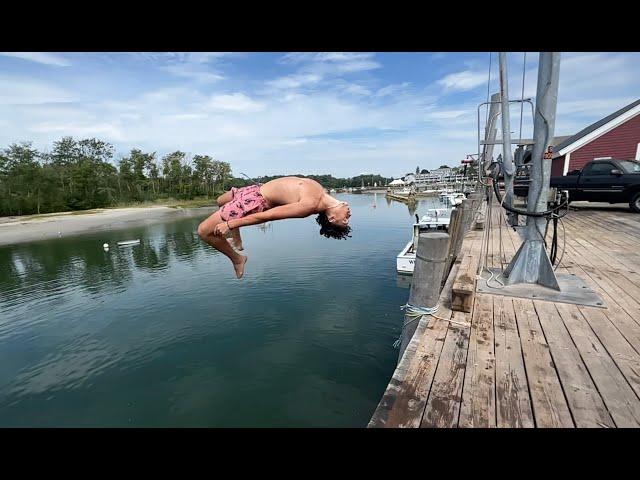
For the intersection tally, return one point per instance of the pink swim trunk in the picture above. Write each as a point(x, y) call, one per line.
point(244, 201)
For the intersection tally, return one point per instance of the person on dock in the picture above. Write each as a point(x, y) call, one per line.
point(286, 197)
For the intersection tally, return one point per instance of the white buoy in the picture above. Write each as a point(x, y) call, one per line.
point(106, 245)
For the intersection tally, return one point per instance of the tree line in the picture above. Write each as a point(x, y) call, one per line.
point(329, 181)
point(83, 174)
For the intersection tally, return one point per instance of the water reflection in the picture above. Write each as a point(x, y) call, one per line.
point(162, 334)
point(82, 261)
point(412, 206)
point(404, 281)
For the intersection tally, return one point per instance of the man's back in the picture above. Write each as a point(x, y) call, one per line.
point(287, 190)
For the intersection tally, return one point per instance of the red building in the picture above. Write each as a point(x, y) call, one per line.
point(616, 136)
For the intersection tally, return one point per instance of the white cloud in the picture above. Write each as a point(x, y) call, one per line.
point(185, 116)
point(392, 89)
point(40, 57)
point(332, 63)
point(309, 120)
point(294, 81)
point(200, 67)
point(25, 90)
point(199, 57)
point(356, 89)
point(465, 80)
point(162, 95)
point(193, 73)
point(79, 130)
point(447, 114)
point(342, 56)
point(294, 142)
point(236, 102)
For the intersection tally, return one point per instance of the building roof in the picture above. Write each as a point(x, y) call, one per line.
point(396, 182)
point(615, 119)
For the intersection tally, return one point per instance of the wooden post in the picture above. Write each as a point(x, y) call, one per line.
point(465, 214)
point(426, 284)
point(454, 224)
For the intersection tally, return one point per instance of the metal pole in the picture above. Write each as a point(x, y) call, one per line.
point(531, 263)
point(485, 157)
point(507, 155)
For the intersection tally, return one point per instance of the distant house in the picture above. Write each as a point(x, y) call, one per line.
point(438, 175)
point(617, 136)
point(397, 182)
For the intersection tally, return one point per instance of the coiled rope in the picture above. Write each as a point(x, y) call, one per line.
point(415, 313)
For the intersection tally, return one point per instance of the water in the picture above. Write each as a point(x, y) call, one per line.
point(162, 334)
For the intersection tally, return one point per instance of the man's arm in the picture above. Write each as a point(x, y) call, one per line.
point(292, 210)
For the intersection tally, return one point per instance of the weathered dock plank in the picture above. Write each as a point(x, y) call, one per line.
point(403, 403)
point(550, 407)
point(621, 401)
point(443, 406)
point(405, 398)
point(512, 362)
point(478, 395)
point(586, 405)
point(513, 404)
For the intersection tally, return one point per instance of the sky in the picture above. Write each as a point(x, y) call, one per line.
point(295, 113)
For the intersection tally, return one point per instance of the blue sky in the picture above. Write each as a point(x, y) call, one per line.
point(287, 113)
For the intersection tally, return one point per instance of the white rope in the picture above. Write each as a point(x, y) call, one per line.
point(415, 313)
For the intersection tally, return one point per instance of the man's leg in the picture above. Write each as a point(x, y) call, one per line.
point(225, 198)
point(236, 241)
point(205, 230)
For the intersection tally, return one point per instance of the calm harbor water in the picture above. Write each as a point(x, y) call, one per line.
point(162, 334)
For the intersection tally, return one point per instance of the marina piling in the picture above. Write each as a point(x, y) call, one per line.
point(431, 258)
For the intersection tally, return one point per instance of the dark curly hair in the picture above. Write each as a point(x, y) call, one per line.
point(331, 230)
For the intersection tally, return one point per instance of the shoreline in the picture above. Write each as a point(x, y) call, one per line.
point(32, 228)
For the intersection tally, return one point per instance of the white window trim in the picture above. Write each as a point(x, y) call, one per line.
point(567, 160)
point(638, 152)
point(607, 127)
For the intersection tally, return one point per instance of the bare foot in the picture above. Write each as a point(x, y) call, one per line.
point(239, 267)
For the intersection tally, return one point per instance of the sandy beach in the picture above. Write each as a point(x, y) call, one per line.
point(41, 227)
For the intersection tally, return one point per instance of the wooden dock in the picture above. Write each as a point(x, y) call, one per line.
point(515, 362)
point(401, 198)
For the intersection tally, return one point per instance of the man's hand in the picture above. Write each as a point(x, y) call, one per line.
point(221, 229)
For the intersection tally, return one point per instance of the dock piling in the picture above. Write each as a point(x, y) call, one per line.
point(431, 259)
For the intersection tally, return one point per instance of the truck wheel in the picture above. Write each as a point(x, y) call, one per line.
point(635, 202)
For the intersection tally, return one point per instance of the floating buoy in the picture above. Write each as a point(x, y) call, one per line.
point(106, 245)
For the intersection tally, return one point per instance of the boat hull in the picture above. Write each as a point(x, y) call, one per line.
point(405, 261)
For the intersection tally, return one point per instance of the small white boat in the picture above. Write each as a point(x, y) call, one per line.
point(457, 198)
point(128, 242)
point(452, 198)
point(435, 219)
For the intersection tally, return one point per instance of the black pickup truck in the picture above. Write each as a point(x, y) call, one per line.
point(602, 180)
